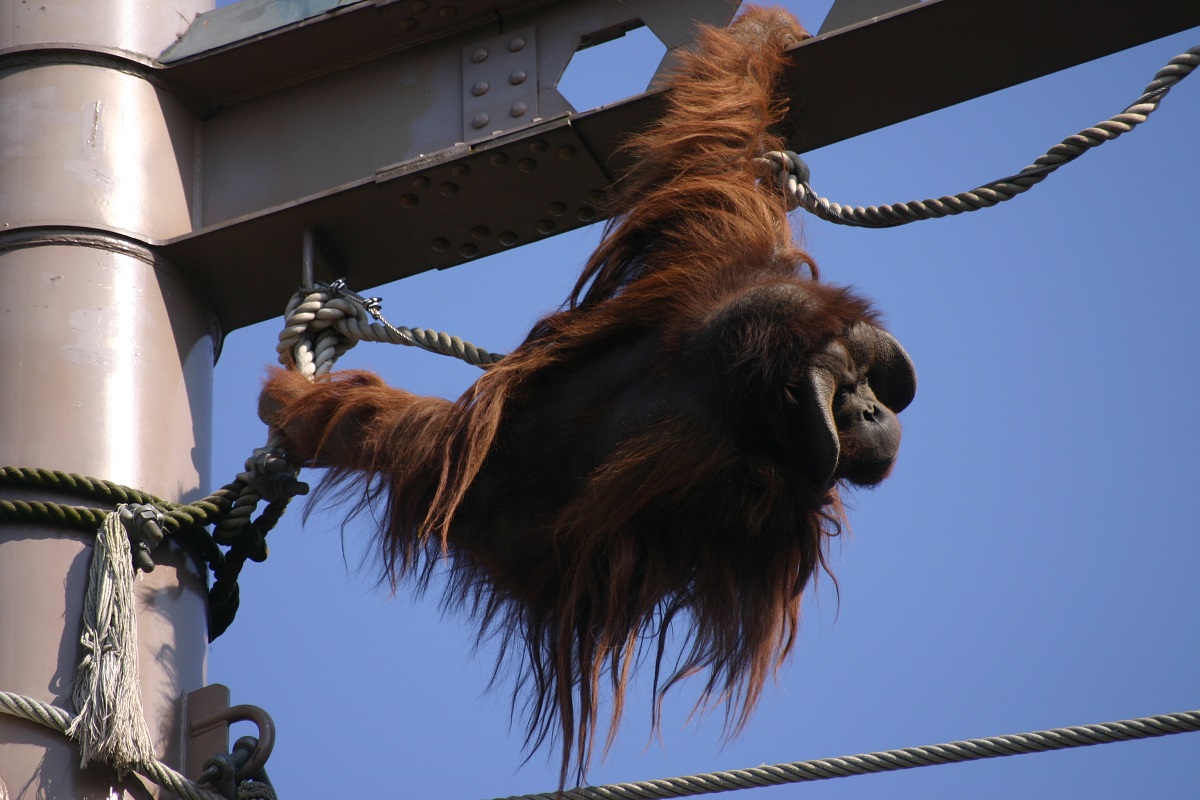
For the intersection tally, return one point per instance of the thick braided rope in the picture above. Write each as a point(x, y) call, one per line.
point(179, 519)
point(792, 175)
point(81, 518)
point(888, 760)
point(70, 483)
point(320, 325)
point(335, 319)
point(59, 720)
point(184, 522)
point(308, 345)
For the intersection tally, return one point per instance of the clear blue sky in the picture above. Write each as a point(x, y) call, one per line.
point(1031, 564)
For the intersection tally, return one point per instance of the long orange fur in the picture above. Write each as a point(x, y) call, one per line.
point(578, 516)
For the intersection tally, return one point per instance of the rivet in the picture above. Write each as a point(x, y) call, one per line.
point(447, 12)
point(480, 55)
point(596, 197)
point(516, 44)
point(480, 120)
point(420, 182)
point(545, 226)
point(409, 201)
point(460, 171)
point(448, 189)
point(508, 238)
point(468, 251)
point(566, 152)
point(419, 7)
point(480, 232)
point(408, 24)
point(518, 77)
point(480, 88)
point(527, 165)
point(518, 110)
point(538, 146)
point(558, 209)
point(585, 214)
point(498, 159)
point(440, 245)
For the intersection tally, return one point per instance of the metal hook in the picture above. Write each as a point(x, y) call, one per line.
point(256, 758)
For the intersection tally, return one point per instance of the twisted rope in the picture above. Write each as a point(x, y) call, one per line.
point(186, 523)
point(792, 175)
point(78, 485)
point(322, 323)
point(887, 760)
point(59, 720)
point(178, 518)
point(310, 346)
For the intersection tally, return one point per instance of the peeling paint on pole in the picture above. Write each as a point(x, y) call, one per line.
point(108, 355)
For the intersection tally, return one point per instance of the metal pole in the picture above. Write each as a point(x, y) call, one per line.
point(107, 353)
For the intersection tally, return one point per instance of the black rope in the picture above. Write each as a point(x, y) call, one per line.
point(186, 523)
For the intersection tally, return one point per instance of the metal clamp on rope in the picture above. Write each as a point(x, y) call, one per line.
point(143, 524)
point(372, 305)
point(272, 476)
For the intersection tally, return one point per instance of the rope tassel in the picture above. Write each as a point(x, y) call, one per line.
point(110, 726)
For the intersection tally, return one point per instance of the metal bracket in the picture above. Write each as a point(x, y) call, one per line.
point(206, 717)
point(500, 84)
point(200, 742)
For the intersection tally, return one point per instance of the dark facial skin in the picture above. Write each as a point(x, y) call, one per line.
point(875, 380)
point(868, 431)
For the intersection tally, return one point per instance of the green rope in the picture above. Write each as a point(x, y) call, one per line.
point(79, 485)
point(187, 523)
point(63, 516)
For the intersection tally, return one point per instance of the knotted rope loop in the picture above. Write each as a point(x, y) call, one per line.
point(323, 322)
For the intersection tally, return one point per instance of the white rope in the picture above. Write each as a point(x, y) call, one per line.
point(886, 760)
point(322, 323)
point(309, 345)
point(110, 727)
point(791, 174)
point(60, 720)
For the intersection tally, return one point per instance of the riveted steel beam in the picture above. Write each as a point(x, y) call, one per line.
point(341, 137)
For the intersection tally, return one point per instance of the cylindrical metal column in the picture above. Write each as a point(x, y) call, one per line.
point(107, 354)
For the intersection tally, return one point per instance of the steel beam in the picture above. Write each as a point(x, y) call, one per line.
point(392, 192)
point(845, 13)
